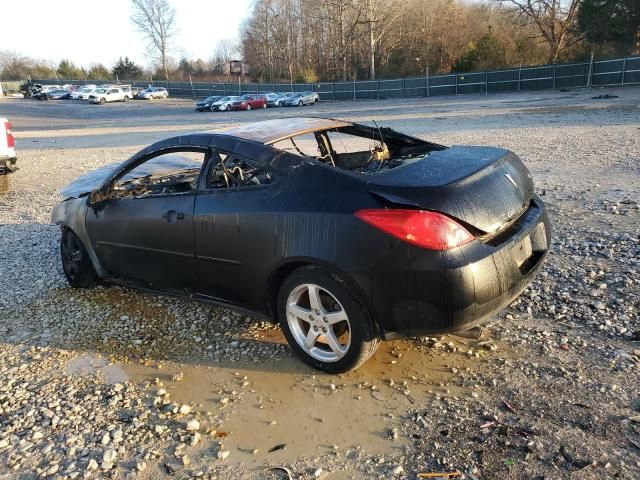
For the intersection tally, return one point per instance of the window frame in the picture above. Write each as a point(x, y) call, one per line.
point(206, 151)
point(203, 188)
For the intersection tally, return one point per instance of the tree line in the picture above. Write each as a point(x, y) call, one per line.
point(328, 40)
point(310, 40)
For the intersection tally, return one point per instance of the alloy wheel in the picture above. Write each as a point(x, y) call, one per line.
point(319, 323)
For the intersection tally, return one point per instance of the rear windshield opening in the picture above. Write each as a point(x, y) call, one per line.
point(358, 148)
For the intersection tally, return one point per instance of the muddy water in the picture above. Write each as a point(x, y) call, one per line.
point(311, 413)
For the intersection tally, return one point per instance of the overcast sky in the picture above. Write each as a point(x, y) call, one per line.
point(92, 31)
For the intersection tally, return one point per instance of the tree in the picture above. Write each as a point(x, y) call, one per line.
point(156, 20)
point(615, 22)
point(98, 71)
point(126, 69)
point(486, 53)
point(68, 70)
point(554, 20)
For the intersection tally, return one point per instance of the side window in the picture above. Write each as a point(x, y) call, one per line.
point(228, 171)
point(171, 173)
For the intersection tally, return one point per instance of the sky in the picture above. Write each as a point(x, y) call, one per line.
point(93, 31)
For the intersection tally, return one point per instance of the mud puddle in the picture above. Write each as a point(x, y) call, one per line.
point(283, 406)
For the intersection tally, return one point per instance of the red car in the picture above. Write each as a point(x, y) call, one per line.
point(249, 102)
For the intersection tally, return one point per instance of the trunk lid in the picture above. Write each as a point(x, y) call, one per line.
point(484, 187)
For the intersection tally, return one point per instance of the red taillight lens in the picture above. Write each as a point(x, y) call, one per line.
point(425, 229)
point(11, 143)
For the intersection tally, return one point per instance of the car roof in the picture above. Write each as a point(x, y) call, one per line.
point(272, 131)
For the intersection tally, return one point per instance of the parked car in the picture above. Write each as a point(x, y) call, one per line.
point(223, 104)
point(207, 103)
point(301, 98)
point(59, 94)
point(109, 94)
point(83, 92)
point(399, 237)
point(275, 99)
point(43, 92)
point(7, 148)
point(153, 92)
point(249, 102)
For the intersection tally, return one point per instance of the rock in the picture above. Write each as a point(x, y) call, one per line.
point(141, 465)
point(223, 454)
point(193, 425)
point(184, 409)
point(398, 470)
point(92, 465)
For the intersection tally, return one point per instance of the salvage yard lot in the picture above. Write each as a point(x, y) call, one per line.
point(118, 383)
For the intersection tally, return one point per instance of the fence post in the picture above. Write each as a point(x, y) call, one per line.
point(354, 88)
point(486, 83)
point(553, 86)
point(427, 80)
point(403, 93)
point(456, 83)
point(520, 75)
point(333, 91)
point(378, 90)
point(624, 69)
point(590, 71)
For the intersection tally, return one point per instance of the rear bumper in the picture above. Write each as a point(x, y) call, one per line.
point(442, 292)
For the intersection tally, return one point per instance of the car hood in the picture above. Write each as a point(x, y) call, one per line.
point(87, 183)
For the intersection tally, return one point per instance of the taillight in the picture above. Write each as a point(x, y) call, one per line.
point(11, 143)
point(425, 229)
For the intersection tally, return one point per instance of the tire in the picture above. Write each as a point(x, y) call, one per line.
point(76, 263)
point(103, 101)
point(125, 99)
point(264, 105)
point(279, 104)
point(300, 103)
point(248, 107)
point(354, 336)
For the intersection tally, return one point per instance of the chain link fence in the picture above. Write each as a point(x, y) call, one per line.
point(613, 72)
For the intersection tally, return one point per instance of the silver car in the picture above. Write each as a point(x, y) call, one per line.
point(301, 98)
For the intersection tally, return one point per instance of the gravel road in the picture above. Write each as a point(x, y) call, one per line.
point(115, 383)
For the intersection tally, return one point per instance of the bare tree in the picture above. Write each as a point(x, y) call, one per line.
point(156, 20)
point(553, 18)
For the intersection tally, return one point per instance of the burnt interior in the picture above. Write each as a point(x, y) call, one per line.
point(386, 148)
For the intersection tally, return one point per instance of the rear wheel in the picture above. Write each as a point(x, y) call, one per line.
point(264, 105)
point(325, 322)
point(103, 101)
point(300, 103)
point(76, 263)
point(125, 99)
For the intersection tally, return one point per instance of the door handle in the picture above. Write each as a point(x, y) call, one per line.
point(171, 216)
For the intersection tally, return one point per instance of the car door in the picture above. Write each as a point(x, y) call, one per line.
point(143, 231)
point(234, 229)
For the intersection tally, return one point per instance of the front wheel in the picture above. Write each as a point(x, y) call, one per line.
point(325, 322)
point(264, 105)
point(76, 263)
point(248, 107)
point(300, 103)
point(125, 99)
point(103, 101)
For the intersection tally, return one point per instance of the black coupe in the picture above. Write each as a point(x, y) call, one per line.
point(343, 233)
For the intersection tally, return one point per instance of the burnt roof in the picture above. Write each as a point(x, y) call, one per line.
point(272, 131)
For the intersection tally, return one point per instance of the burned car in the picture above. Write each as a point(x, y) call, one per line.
point(345, 234)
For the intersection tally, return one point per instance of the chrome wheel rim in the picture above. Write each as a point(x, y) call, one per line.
point(318, 322)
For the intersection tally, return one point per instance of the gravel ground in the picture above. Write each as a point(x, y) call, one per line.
point(115, 383)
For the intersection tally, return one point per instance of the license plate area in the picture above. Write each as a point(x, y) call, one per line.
point(523, 251)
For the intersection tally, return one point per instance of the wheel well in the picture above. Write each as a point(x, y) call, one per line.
point(279, 276)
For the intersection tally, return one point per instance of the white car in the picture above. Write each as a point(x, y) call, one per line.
point(7, 148)
point(223, 104)
point(109, 94)
point(83, 92)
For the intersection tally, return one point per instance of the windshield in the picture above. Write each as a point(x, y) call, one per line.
point(101, 90)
